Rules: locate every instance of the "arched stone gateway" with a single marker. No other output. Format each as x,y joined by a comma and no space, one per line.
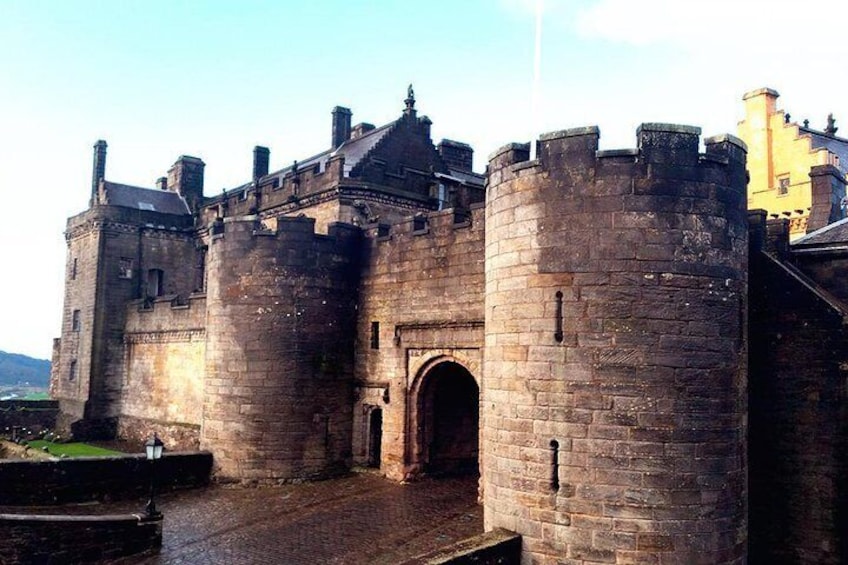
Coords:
444,423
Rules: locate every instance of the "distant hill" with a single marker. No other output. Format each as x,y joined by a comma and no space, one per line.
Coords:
15,368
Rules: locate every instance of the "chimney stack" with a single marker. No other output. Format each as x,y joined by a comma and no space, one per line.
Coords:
261,159
162,183
185,178
456,155
98,172
341,125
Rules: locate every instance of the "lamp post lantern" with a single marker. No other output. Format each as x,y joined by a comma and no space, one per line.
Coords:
153,450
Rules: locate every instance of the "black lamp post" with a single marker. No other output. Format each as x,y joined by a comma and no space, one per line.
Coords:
153,450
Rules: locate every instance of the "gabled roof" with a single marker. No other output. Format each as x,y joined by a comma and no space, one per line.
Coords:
353,150
138,198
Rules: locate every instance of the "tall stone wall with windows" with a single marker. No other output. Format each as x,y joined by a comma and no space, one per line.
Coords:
110,251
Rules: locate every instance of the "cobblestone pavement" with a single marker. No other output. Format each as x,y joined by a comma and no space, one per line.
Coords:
358,519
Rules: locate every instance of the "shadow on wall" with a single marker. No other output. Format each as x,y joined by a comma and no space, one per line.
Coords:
98,478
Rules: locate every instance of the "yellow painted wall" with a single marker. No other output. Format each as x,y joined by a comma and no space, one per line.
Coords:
777,149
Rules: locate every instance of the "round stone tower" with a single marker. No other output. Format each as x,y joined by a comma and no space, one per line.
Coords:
614,393
279,356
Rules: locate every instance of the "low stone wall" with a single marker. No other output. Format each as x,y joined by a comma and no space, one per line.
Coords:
498,547
31,414
62,481
76,539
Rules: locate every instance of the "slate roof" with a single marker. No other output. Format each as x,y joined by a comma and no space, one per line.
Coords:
831,235
353,150
836,145
467,177
138,198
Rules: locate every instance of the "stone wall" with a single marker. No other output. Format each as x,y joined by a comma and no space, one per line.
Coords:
614,397
279,353
63,481
422,284
404,159
798,438
31,538
497,547
165,347
110,251
71,364
31,414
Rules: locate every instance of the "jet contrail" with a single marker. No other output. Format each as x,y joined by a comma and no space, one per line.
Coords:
537,77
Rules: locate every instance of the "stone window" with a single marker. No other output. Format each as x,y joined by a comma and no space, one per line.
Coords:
375,335
154,282
72,370
125,268
783,185
419,224
75,321
74,269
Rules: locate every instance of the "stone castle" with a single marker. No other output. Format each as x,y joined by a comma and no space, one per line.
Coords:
576,328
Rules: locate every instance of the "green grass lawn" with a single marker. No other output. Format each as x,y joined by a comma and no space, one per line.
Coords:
36,396
72,449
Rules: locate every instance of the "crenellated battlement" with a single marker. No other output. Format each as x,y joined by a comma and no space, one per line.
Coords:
287,188
662,150
432,224
283,230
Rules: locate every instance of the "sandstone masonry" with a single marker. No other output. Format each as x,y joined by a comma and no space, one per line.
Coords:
575,328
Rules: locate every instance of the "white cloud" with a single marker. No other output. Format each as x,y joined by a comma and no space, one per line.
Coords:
752,26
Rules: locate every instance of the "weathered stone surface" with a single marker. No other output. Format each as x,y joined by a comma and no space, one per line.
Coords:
656,362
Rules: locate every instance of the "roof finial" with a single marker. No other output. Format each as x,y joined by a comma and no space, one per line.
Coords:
410,97
831,125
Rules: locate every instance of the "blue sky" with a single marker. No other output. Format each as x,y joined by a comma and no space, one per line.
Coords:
212,79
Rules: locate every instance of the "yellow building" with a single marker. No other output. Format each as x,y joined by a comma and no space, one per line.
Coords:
781,157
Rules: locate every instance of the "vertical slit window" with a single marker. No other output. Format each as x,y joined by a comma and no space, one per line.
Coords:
554,465
75,321
558,336
375,335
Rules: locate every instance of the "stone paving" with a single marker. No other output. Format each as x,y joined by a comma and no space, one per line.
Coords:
359,519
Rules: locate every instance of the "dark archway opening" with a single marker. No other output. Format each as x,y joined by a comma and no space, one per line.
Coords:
450,421
375,437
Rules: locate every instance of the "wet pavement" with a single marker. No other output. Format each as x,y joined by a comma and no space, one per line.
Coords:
359,519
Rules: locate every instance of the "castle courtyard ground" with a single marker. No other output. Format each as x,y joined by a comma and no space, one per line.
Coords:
358,519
